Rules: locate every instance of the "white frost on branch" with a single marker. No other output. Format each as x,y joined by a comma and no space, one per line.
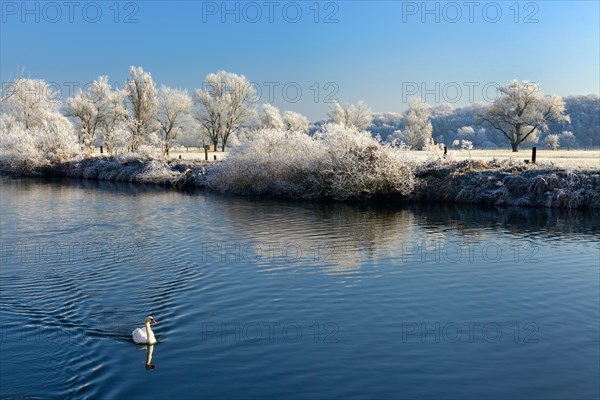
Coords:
418,125
357,115
522,111
270,117
295,122
174,107
143,103
224,104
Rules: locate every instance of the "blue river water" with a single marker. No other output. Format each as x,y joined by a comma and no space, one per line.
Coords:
266,299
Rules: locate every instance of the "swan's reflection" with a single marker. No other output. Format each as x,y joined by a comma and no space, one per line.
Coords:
149,351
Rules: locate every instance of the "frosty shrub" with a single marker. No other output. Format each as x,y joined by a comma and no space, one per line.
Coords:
270,162
356,165
33,132
337,162
24,149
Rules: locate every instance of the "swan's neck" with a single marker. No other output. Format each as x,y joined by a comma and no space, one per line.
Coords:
149,333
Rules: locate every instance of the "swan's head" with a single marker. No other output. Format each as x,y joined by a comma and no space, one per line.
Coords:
149,318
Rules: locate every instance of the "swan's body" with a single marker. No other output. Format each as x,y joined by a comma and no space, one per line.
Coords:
144,335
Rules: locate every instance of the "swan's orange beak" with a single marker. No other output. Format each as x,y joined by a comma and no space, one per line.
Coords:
153,321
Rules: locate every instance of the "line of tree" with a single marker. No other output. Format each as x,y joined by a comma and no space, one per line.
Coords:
224,111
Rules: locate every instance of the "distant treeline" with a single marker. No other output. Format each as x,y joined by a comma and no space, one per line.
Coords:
462,124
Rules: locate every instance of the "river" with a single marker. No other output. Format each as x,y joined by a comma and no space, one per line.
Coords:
264,299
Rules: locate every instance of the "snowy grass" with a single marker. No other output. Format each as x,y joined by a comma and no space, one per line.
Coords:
588,159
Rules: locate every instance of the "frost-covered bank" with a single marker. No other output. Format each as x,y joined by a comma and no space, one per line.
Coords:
505,183
472,182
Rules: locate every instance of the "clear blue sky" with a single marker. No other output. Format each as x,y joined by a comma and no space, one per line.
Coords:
376,51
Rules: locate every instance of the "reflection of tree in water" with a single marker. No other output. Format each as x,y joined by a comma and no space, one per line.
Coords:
346,236
542,223
360,233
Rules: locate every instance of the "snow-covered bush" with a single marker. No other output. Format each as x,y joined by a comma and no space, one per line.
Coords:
32,130
356,165
270,162
23,149
337,162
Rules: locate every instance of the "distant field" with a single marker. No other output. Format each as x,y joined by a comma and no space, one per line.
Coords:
562,158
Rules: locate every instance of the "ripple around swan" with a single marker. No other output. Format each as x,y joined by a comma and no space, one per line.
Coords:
338,273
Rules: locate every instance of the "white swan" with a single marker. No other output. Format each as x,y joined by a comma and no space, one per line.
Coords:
144,335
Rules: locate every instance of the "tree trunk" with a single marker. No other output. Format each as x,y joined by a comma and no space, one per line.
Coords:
216,145
515,147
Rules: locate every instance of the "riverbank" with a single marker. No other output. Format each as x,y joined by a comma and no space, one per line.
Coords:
468,182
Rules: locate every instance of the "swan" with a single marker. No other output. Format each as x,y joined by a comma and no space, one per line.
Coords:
144,335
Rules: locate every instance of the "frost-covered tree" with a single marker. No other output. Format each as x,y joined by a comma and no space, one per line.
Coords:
31,102
96,109
189,137
357,115
338,115
225,103
174,107
100,113
270,117
295,122
585,119
143,103
32,130
466,145
552,141
8,88
418,126
86,116
466,131
522,110
113,130
568,139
